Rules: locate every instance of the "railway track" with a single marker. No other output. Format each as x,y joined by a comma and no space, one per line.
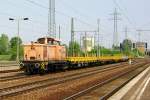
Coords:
21,75
110,93
9,71
13,77
15,90
18,75
7,67
105,95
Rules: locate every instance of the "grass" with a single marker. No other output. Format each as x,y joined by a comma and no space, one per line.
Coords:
5,57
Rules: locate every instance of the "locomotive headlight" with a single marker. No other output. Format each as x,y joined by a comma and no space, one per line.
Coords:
21,64
37,65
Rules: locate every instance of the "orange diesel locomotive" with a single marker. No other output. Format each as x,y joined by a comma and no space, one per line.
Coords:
38,56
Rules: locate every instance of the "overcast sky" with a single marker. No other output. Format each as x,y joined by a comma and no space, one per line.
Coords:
135,14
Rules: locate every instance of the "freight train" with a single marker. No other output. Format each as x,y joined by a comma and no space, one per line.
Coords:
48,55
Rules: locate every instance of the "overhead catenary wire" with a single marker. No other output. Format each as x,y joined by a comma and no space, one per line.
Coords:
122,9
8,15
74,9
80,14
59,12
126,16
23,6
146,24
42,6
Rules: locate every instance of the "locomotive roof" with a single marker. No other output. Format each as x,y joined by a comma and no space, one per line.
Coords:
41,41
48,39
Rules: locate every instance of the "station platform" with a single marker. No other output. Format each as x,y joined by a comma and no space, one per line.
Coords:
137,89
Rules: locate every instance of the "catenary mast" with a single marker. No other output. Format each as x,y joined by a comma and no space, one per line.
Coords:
51,19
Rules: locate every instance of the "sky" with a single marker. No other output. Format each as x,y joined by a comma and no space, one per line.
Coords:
133,14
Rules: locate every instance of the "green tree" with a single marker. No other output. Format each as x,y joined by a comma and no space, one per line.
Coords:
137,53
104,51
13,48
127,46
4,44
74,49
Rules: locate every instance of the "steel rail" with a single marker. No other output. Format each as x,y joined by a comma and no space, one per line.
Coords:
20,75
80,93
106,96
10,91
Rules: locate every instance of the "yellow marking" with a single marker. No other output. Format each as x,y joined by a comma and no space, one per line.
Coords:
42,66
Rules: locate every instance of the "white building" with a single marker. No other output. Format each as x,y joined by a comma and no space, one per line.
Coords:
88,44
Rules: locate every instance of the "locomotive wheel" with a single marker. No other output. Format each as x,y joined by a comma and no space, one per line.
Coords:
28,71
41,71
51,68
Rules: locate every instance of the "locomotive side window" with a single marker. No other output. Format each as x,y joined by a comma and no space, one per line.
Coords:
50,42
26,56
56,43
53,43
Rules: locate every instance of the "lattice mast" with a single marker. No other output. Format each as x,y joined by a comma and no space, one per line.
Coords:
51,19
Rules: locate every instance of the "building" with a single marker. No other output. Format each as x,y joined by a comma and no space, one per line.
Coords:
88,44
141,46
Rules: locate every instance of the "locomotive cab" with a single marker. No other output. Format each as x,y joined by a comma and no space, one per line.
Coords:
46,51
43,49
49,41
